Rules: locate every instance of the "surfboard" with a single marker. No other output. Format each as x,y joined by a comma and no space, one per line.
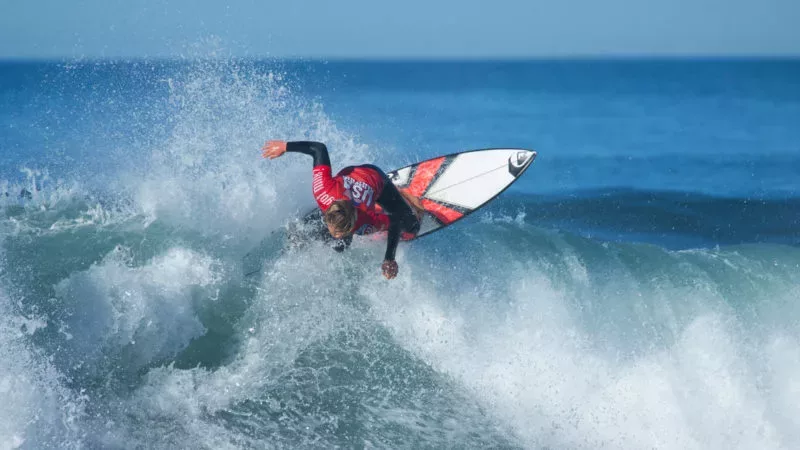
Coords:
451,187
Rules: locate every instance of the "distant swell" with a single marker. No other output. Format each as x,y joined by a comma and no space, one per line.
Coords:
673,219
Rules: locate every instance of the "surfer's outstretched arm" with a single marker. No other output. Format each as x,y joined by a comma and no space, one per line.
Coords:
322,181
317,150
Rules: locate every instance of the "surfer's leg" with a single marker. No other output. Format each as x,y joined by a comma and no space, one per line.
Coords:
396,205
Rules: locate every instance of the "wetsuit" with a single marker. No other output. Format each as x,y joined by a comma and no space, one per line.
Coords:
366,186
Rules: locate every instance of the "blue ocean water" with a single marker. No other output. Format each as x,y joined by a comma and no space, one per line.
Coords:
637,288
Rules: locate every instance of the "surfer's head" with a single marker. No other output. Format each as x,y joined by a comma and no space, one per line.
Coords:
340,218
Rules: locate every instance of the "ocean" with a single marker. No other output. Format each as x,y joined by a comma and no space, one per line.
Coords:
639,287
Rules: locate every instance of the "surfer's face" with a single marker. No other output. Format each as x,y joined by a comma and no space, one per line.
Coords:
338,234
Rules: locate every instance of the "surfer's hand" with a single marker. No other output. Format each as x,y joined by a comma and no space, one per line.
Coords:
389,268
273,149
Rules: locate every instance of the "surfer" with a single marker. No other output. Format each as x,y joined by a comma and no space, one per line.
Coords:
357,200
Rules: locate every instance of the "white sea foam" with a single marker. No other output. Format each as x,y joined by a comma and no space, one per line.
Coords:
289,313
209,174
147,312
36,409
525,351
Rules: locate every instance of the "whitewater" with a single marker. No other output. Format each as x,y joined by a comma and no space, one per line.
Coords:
580,310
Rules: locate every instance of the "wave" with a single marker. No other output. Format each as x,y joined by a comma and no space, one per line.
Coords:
496,333
577,343
39,410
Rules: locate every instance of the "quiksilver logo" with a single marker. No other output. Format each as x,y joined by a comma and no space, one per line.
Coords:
517,162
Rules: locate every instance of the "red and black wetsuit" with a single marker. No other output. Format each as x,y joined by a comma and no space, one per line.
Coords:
380,205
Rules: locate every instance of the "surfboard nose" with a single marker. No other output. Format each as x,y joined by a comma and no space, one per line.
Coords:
519,161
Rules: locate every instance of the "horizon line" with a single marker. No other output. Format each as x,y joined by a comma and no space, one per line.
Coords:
414,59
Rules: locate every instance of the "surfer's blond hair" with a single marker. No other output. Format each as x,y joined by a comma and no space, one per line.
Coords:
341,216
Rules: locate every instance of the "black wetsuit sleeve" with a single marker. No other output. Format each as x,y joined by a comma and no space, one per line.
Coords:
393,239
397,209
316,149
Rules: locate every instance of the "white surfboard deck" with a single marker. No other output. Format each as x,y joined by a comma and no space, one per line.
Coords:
453,186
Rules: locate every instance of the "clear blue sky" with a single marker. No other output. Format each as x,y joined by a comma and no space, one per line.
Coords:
398,29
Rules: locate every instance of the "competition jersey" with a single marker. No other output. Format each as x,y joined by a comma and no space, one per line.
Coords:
362,185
